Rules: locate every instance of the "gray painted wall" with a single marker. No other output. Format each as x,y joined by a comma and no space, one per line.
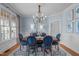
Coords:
25,25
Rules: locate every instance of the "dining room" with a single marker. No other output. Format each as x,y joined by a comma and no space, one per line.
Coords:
39,29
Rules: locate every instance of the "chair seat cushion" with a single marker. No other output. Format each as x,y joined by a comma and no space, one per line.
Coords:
23,43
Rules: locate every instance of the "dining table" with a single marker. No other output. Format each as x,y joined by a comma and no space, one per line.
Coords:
39,40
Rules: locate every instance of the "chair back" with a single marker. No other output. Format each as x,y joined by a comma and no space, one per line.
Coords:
47,40
58,36
31,40
43,34
20,37
21,41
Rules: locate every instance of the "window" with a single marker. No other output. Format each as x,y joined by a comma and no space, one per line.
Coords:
77,20
13,29
68,21
7,27
77,26
69,26
76,12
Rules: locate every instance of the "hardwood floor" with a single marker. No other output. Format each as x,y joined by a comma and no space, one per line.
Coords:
7,52
69,50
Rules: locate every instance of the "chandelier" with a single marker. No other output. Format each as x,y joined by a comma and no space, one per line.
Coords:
39,18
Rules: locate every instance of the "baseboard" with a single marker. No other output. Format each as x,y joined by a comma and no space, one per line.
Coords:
69,50
10,50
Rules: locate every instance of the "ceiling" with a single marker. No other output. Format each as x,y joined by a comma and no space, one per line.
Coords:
30,9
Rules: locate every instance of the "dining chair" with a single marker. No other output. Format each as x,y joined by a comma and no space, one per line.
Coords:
58,36
22,42
47,44
31,44
56,43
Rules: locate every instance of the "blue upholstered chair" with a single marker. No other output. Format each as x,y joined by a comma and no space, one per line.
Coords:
47,44
22,42
58,36
31,43
57,42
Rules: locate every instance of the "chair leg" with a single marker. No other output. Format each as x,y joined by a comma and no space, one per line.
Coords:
43,51
20,47
58,47
28,51
35,52
37,49
51,51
